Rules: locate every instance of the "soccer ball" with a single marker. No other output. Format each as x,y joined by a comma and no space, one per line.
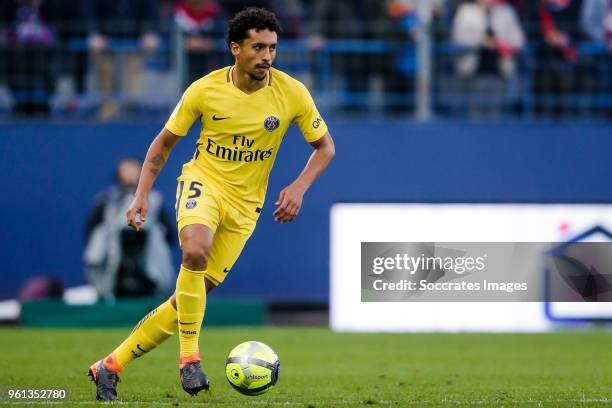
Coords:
252,368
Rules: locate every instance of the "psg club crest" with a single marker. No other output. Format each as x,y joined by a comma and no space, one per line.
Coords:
271,123
191,203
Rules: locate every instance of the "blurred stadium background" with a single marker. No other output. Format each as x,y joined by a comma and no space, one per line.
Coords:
429,101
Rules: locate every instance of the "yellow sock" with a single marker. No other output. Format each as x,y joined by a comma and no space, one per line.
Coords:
149,333
190,302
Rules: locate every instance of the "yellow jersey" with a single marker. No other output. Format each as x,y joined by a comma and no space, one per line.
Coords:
241,133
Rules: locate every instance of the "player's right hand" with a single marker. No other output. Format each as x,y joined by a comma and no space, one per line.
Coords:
137,213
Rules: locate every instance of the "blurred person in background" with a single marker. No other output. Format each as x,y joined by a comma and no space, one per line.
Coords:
120,262
109,20
490,35
73,56
557,73
401,25
596,21
597,24
30,57
6,21
202,23
348,20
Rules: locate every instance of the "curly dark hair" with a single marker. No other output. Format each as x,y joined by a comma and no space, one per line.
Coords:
251,18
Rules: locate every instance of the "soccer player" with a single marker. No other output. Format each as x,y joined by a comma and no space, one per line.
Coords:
245,111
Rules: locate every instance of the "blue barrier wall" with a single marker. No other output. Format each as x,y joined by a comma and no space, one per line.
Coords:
50,173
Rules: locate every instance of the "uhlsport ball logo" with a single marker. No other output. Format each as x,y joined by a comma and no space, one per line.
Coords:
252,368
271,123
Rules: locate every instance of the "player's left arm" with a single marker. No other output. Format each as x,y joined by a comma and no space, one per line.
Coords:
290,198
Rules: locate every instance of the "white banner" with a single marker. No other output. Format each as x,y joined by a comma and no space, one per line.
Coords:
352,224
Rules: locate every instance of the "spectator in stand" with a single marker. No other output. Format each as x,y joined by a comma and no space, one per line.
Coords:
7,12
401,27
72,28
597,24
597,21
557,71
30,57
348,20
203,23
490,34
123,20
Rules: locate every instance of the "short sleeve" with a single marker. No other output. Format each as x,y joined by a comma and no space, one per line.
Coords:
185,112
307,117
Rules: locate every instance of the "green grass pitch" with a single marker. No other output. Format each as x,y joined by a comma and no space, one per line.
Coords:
324,369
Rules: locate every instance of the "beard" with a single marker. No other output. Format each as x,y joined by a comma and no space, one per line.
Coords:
257,78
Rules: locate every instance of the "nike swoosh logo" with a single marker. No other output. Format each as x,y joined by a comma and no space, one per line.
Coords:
225,270
216,118
187,322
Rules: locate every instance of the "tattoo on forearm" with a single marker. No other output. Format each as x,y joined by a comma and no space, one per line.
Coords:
157,160
156,163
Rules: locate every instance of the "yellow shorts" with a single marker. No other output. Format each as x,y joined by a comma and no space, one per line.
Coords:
198,204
